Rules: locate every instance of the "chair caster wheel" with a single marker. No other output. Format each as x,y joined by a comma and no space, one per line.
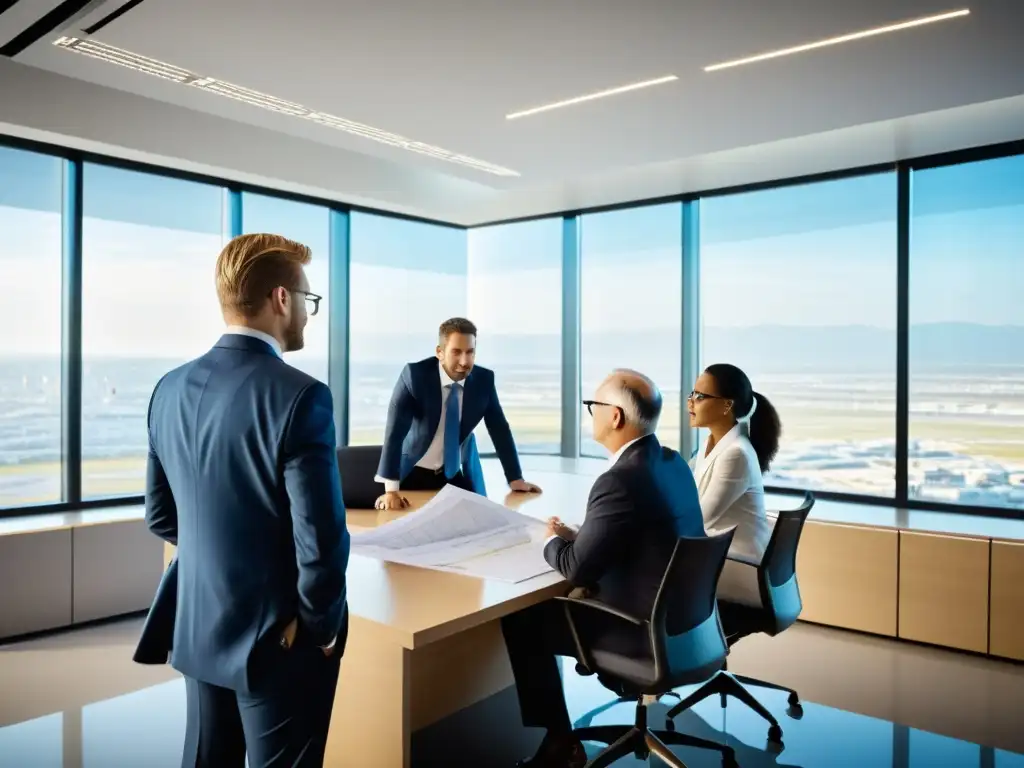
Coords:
795,711
670,726
794,700
582,671
775,734
729,760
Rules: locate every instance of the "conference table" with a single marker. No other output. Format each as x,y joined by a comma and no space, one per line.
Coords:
425,644
425,654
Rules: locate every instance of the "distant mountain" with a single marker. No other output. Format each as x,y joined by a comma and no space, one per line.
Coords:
762,348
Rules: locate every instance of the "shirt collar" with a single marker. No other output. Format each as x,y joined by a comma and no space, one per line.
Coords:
242,330
446,380
618,454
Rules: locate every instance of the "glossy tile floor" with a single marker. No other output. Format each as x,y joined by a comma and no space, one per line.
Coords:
75,700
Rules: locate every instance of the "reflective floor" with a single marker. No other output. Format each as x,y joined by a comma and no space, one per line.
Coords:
75,700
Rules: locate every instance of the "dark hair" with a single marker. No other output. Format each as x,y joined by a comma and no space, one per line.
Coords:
765,427
454,325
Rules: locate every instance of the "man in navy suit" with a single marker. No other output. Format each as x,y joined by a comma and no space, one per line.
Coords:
436,405
242,476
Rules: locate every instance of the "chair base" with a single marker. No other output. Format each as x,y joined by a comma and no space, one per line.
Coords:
726,684
642,742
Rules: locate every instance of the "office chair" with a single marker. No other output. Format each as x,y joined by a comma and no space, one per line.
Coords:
686,646
357,465
780,607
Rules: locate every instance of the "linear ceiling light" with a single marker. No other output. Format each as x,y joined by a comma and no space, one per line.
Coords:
146,65
840,39
592,96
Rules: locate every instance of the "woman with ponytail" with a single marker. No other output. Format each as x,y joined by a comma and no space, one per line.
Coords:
744,438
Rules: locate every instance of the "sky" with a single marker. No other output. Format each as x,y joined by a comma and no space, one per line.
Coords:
813,255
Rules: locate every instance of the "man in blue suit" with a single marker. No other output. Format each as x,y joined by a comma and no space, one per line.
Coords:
436,405
243,478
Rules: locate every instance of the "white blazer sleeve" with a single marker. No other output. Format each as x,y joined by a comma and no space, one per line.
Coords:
730,478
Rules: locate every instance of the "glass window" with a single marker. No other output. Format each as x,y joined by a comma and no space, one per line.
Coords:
30,352
967,334
515,299
309,225
798,288
149,303
631,306
405,279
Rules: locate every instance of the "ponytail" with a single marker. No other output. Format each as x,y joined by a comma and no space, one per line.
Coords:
765,430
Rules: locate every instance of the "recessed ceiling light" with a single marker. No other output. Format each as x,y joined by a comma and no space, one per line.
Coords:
148,66
840,39
592,96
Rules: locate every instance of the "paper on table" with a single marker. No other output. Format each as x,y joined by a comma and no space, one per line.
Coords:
462,532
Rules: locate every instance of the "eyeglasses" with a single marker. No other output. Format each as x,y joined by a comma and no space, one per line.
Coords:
591,403
700,396
313,299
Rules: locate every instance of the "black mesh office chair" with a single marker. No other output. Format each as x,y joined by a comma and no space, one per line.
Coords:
358,466
780,607
686,646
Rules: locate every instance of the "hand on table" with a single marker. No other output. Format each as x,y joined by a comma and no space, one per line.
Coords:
557,528
391,500
521,486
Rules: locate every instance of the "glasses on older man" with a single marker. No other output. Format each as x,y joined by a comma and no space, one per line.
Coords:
591,403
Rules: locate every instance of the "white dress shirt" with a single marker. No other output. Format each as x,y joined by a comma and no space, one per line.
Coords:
242,330
433,459
731,490
611,463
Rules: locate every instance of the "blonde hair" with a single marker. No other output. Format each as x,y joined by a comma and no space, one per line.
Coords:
251,266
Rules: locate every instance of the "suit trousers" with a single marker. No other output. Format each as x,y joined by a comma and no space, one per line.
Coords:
535,637
284,725
421,479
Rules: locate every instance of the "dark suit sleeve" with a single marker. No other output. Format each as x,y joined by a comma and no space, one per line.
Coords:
609,520
501,436
318,513
161,511
400,415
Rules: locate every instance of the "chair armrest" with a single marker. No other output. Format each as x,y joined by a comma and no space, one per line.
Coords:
597,605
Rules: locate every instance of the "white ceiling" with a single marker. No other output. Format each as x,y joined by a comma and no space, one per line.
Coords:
446,72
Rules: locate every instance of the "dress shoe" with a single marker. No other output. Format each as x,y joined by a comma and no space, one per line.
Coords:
557,753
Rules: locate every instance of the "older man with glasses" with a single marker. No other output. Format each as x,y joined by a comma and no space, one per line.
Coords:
640,505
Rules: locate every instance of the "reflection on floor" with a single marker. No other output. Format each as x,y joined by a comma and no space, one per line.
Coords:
75,700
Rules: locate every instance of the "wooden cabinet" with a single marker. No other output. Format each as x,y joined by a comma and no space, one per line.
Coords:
944,590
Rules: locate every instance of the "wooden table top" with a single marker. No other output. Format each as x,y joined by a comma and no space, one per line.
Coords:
421,605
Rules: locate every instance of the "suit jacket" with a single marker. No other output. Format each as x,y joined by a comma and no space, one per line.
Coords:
157,636
731,491
242,476
635,513
415,412
732,494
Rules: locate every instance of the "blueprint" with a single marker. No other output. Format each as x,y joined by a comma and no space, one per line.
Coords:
464,533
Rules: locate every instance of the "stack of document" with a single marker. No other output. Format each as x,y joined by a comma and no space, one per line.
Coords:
461,532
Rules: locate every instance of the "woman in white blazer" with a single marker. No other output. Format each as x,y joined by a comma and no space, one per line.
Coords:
744,438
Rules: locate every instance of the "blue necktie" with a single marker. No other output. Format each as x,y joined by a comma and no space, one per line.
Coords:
452,461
